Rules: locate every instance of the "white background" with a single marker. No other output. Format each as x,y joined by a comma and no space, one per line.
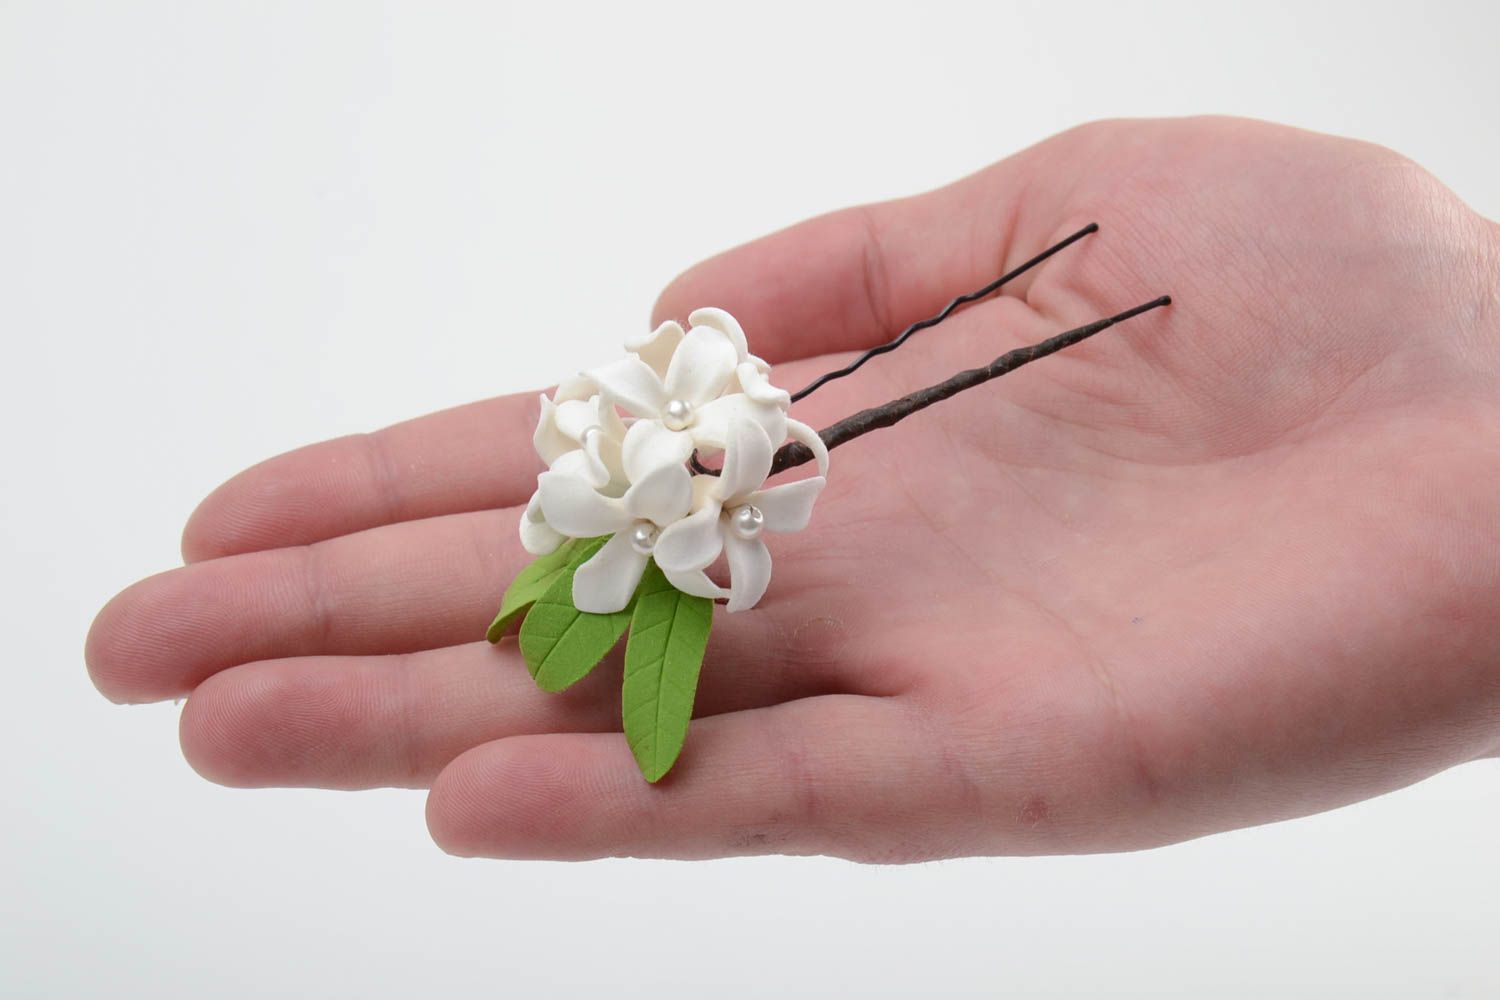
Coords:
227,230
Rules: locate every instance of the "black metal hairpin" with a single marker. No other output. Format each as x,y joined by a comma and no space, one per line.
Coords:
625,536
942,314
876,417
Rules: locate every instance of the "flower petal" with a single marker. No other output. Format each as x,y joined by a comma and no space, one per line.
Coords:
663,496
574,387
605,583
649,446
798,431
598,469
608,455
706,492
631,383
608,444
575,462
700,367
655,348
695,582
711,430
549,441
587,464
726,324
754,383
747,460
609,419
789,507
574,416
749,571
692,543
567,425
575,508
537,536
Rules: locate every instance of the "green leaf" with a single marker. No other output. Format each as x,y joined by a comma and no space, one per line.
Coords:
560,643
668,636
528,587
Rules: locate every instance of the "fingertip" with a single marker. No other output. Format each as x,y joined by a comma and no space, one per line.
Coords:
448,822
520,798
799,292
668,303
120,652
95,654
711,282
200,536
209,730
282,501
789,779
269,724
161,636
314,722
291,724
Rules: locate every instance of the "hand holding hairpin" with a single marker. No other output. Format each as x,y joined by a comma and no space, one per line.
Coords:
627,520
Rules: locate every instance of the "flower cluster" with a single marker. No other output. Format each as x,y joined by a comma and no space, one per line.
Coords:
617,441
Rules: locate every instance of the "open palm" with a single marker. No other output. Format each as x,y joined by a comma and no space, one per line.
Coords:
1234,561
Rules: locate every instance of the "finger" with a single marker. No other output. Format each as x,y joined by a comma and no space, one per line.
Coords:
837,283
400,588
856,277
833,283
839,774
468,458
380,721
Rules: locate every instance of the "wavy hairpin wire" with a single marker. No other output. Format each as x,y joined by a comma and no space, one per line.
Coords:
876,417
944,313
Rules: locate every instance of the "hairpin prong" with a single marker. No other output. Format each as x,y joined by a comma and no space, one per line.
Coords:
794,454
944,313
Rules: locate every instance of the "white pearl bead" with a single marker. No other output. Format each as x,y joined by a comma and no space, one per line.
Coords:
747,521
643,537
678,415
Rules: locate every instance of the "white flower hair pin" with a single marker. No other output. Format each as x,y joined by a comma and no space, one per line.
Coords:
626,520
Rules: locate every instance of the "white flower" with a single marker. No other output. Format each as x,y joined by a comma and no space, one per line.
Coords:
537,536
687,388
577,436
732,510
573,507
590,425
627,477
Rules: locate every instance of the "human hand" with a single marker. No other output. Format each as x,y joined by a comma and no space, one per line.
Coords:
1233,562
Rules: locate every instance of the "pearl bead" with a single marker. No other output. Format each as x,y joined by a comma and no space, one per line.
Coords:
747,521
678,415
643,537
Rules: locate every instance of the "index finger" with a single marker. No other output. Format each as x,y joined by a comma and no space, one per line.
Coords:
455,461
856,277
845,280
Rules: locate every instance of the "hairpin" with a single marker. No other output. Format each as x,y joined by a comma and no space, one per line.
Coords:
627,519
